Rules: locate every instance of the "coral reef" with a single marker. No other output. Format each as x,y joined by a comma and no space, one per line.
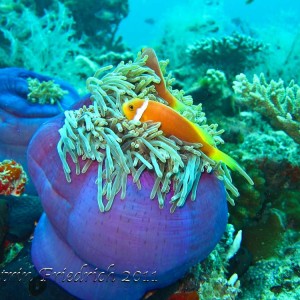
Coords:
250,130
81,31
272,159
211,274
277,277
279,104
22,33
88,186
214,92
12,178
99,22
232,54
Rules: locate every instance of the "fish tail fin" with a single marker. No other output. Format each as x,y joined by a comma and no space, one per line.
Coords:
218,155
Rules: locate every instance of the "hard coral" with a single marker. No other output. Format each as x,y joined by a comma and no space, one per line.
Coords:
279,104
275,278
12,178
215,282
232,54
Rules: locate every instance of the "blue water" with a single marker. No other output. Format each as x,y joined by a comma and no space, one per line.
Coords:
136,32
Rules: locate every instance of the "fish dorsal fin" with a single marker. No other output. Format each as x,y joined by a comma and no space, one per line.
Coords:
161,88
153,63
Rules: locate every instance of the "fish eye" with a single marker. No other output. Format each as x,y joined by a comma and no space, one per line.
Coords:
130,107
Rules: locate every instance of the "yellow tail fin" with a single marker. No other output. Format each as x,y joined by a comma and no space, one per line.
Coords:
218,155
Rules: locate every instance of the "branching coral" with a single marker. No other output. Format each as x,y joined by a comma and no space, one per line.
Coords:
232,54
279,104
101,133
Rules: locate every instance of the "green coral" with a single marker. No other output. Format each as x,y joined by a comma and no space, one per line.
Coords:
251,197
214,91
275,278
257,237
43,44
231,54
45,92
104,18
212,275
279,104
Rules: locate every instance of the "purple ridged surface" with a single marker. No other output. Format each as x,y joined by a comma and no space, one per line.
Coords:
19,118
135,235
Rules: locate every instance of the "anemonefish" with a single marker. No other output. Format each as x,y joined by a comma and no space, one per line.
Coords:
162,91
172,123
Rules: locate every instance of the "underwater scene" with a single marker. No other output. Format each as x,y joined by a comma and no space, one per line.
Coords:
149,150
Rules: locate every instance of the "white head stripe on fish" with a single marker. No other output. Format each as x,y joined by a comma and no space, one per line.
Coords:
140,111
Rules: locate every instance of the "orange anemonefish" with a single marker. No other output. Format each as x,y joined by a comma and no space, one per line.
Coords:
162,91
172,123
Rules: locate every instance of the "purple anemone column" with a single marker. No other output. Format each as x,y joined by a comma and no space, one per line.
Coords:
134,238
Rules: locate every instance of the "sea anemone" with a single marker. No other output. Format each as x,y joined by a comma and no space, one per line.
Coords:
97,173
